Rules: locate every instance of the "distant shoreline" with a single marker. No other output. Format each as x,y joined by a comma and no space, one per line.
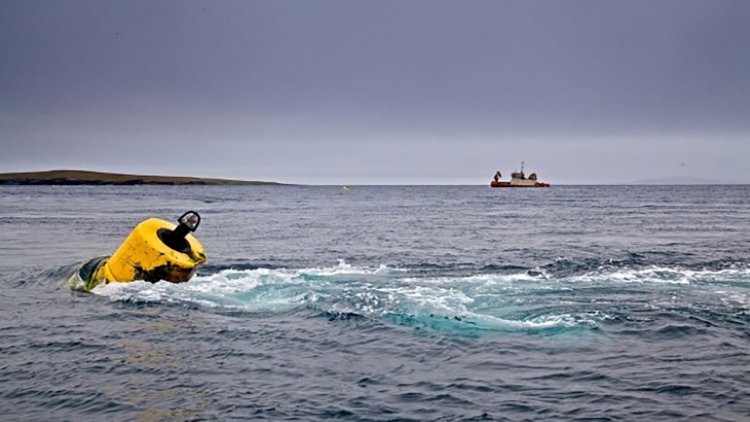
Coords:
81,177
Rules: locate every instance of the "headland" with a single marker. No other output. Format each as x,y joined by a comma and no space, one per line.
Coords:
81,177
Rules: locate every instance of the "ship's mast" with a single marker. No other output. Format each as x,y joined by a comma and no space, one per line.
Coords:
521,166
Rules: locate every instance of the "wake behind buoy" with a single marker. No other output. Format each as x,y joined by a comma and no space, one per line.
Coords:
155,250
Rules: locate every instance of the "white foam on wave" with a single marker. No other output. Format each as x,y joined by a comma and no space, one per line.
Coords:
665,275
632,275
492,301
531,279
343,288
538,322
539,278
384,280
343,268
735,299
227,288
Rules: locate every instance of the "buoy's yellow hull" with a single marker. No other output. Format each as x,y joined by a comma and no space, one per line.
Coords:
143,256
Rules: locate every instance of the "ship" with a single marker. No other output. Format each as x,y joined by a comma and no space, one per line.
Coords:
518,180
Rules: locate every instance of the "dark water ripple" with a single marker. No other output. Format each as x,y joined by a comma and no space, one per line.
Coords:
384,304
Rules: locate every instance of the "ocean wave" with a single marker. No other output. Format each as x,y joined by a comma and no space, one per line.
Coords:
526,300
736,272
343,289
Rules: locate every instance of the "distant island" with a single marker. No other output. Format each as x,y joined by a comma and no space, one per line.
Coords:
79,177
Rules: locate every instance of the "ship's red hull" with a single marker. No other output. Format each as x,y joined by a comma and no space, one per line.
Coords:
502,184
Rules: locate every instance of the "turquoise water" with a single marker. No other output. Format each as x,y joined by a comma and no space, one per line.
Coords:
384,303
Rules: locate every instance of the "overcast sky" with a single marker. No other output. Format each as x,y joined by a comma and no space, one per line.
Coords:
410,91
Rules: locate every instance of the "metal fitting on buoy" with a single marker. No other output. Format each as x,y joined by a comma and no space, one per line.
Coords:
155,250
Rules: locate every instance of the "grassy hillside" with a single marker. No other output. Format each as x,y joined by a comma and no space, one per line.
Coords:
78,177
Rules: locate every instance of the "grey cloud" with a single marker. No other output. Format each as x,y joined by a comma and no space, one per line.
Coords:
385,91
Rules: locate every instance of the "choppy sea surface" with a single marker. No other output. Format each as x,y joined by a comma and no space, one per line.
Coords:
384,303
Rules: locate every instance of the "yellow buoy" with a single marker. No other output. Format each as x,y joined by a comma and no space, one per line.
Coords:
155,250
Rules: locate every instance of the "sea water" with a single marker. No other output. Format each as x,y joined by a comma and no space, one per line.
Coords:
384,303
